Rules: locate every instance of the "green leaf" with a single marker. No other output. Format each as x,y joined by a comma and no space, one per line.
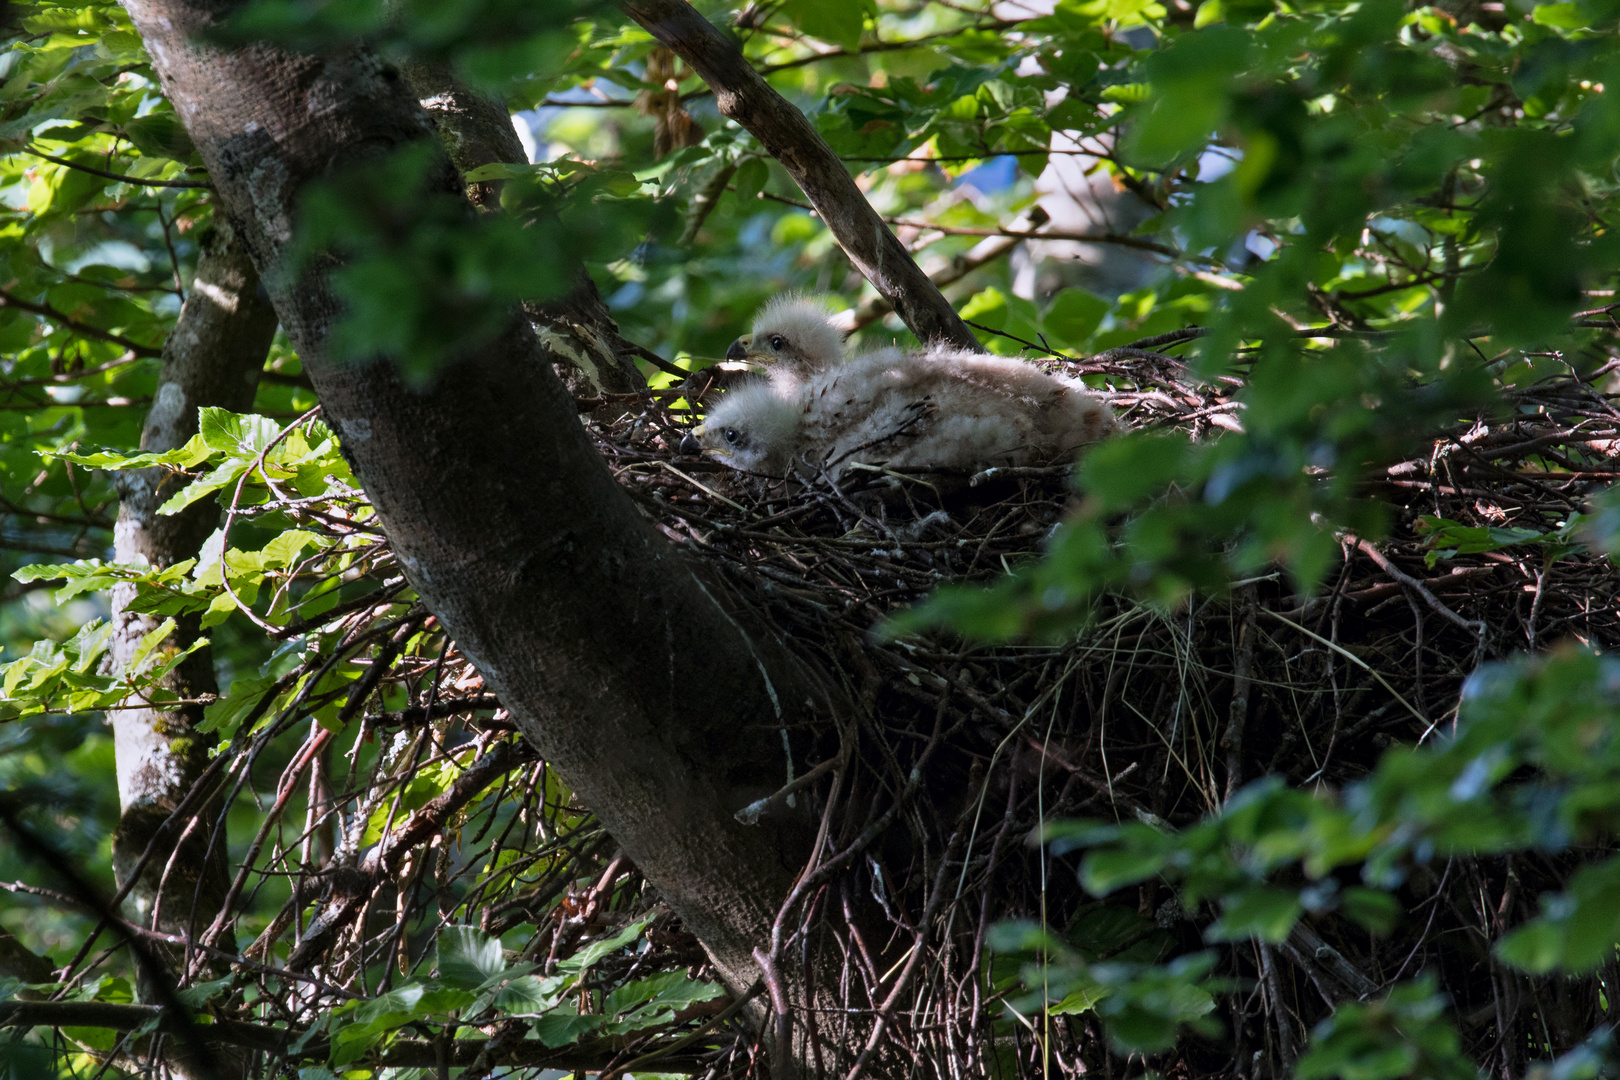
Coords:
750,179
161,135
1377,911
226,475
530,994
226,715
666,993
1568,16
221,429
1403,1035
1193,81
469,958
581,961
1261,911
989,306
285,549
563,1026
1576,931
837,21
375,1019
1074,316
1449,538
1105,870
149,642
1081,999
501,170
1122,471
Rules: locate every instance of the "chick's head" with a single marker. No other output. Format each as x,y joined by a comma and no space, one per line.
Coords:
753,429
792,331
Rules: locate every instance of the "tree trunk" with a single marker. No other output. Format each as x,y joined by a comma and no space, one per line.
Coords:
659,698
212,357
476,130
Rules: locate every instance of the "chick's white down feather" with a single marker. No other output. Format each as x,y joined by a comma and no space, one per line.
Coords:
943,409
754,428
794,339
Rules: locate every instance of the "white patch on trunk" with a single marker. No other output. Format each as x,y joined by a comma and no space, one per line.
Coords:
557,343
168,407
225,298
147,767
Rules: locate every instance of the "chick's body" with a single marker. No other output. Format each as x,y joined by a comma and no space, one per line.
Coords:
942,409
946,410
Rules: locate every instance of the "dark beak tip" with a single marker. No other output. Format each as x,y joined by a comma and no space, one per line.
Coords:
691,446
737,350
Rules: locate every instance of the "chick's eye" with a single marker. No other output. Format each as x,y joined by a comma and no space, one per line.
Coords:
733,436
777,342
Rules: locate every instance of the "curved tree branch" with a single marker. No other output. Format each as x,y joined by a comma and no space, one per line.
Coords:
196,1057
122,178
983,253
744,96
84,329
352,891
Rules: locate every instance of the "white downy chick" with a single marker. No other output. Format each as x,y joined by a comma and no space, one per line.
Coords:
754,428
945,409
793,339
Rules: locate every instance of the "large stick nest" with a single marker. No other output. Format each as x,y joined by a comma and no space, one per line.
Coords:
1144,715
958,752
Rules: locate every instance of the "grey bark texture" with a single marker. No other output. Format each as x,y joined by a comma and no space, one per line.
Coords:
212,357
630,668
743,95
476,130
579,328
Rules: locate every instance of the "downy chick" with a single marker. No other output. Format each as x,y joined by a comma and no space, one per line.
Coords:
944,410
754,428
792,340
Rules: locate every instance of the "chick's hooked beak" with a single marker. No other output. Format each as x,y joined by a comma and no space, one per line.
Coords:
738,350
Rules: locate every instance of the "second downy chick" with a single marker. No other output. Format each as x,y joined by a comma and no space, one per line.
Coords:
754,428
792,339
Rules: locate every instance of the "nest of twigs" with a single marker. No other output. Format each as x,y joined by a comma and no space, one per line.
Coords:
959,751
1149,714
